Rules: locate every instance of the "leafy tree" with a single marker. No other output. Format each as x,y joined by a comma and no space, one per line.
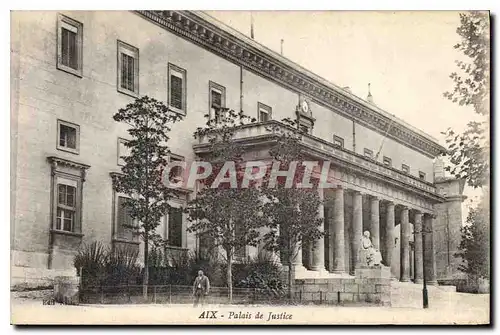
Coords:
469,151
292,211
228,215
149,123
475,244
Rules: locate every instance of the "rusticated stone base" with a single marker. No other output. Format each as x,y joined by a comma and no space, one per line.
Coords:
369,286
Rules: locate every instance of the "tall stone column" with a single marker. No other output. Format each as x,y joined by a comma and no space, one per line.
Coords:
405,246
419,264
357,226
297,258
318,252
375,222
338,231
430,257
389,234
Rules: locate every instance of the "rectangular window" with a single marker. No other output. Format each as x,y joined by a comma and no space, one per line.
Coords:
177,88
66,207
125,222
67,178
69,46
421,175
217,97
338,141
265,112
68,136
123,150
176,173
387,161
368,153
128,69
175,227
405,168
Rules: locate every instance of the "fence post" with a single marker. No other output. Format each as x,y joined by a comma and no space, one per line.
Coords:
170,294
102,294
154,294
338,298
128,293
321,297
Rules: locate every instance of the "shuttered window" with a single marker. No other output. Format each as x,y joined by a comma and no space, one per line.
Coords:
128,66
69,48
128,69
125,222
177,88
217,96
216,99
176,91
175,227
70,43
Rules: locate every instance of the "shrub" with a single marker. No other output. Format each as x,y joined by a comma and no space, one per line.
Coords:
99,265
261,272
121,265
90,263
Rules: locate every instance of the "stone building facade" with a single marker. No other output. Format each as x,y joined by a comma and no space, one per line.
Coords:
72,70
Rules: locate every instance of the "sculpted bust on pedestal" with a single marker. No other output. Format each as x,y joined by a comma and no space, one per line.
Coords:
369,256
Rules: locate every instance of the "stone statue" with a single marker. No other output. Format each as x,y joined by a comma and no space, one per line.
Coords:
369,255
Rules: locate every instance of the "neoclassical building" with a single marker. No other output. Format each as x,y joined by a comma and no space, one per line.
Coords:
72,70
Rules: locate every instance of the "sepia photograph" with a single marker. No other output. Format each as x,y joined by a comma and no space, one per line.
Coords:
251,167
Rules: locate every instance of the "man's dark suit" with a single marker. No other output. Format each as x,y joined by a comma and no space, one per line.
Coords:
201,287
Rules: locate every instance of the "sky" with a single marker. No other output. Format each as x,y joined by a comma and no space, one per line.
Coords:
406,56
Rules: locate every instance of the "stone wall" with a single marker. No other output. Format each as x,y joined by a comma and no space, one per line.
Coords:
369,286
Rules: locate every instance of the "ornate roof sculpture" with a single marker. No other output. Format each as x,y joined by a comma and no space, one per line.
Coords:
228,43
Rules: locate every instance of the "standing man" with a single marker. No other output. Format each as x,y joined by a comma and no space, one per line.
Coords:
201,287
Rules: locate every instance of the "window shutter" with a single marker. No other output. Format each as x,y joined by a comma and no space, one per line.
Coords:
120,218
176,92
216,99
175,227
69,48
77,217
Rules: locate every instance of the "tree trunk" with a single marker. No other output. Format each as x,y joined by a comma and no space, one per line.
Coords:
230,277
291,275
291,270
145,274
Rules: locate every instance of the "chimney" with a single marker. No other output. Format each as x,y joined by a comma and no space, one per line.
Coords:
251,26
369,98
439,169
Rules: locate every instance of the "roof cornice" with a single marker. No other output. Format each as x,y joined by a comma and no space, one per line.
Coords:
229,45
